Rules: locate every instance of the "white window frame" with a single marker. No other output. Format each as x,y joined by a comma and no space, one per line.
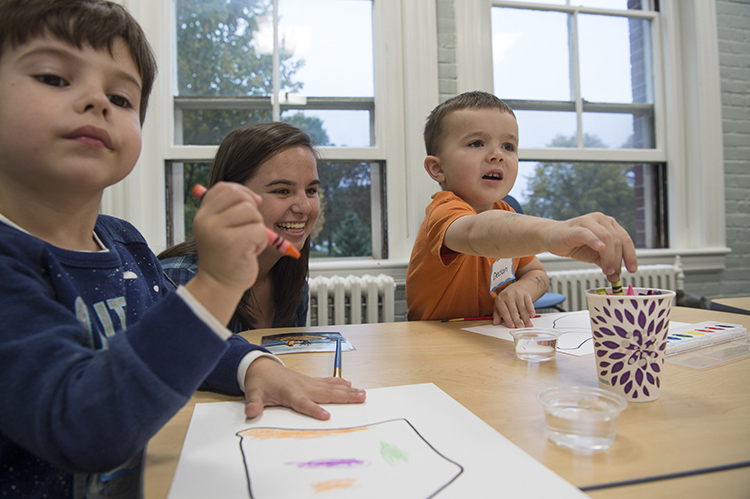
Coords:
688,122
406,90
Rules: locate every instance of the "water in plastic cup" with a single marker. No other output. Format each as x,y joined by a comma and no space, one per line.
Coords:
580,418
535,344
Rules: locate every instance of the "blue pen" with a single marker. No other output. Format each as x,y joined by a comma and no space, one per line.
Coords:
337,360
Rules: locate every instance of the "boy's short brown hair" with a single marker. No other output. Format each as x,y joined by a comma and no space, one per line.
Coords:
434,128
97,23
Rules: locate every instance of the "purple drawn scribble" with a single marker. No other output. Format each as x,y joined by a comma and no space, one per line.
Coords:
330,463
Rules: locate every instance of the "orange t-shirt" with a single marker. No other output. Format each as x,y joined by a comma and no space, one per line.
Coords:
443,284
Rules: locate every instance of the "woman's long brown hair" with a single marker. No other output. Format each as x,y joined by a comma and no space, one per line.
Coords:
239,156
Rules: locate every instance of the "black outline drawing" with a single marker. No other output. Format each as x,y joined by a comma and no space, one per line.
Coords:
571,330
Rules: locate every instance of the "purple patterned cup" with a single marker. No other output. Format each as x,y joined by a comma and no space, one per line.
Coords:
630,339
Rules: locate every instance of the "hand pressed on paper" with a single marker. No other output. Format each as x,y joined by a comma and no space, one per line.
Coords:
515,303
268,383
515,306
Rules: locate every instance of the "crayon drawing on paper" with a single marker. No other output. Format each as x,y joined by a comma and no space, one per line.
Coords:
386,459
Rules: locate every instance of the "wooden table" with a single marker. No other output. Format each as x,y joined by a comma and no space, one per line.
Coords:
698,431
741,304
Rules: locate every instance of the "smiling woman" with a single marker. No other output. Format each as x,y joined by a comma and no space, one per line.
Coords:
276,161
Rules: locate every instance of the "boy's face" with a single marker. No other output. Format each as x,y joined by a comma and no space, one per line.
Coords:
478,158
69,119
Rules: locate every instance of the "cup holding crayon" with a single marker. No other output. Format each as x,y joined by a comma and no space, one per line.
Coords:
630,340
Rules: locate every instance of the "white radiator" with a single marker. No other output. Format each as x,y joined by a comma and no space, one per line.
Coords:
351,300
574,283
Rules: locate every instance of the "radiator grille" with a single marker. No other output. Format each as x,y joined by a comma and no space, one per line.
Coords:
351,300
574,283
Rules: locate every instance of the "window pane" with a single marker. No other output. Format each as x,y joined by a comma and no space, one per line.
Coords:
617,131
330,42
615,59
332,128
206,127
193,173
345,222
530,54
223,48
344,227
632,193
538,129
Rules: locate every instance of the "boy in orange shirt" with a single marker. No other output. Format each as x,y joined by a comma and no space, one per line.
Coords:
473,255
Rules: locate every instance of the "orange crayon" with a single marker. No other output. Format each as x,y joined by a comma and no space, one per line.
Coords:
274,239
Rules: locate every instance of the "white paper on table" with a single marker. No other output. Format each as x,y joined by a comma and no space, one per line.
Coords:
423,444
575,328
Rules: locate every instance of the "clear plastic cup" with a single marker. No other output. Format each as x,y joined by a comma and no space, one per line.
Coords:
581,418
535,344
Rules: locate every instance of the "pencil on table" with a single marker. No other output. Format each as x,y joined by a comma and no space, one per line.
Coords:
337,360
459,319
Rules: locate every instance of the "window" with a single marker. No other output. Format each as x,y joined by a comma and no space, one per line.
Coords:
586,86
246,61
666,53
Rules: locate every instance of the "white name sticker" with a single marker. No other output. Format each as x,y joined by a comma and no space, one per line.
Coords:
502,272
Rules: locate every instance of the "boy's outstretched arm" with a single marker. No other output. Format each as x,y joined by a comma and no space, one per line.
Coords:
595,238
268,383
592,238
229,234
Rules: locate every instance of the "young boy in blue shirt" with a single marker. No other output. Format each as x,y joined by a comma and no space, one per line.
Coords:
96,351
473,256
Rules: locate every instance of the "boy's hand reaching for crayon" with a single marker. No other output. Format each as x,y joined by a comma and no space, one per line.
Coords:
594,238
229,235
268,383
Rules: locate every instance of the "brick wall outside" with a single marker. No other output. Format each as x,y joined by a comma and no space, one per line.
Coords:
733,19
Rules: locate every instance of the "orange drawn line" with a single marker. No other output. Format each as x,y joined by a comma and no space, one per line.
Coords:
328,485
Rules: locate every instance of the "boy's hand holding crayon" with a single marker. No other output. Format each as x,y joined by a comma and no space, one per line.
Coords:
229,235
594,238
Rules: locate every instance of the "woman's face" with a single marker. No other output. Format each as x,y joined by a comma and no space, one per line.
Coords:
288,183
